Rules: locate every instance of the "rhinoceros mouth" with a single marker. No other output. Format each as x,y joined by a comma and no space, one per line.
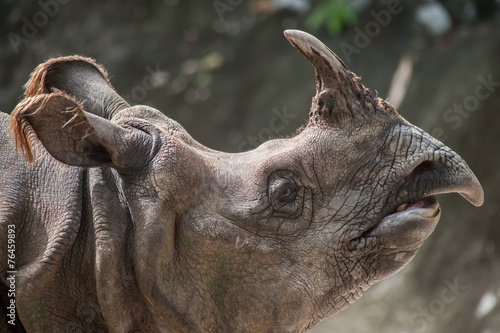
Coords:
413,221
406,224
405,228
428,207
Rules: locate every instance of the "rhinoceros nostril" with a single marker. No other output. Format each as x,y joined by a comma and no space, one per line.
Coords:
424,167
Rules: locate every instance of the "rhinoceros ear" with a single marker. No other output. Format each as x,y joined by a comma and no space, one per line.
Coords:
81,78
340,96
74,136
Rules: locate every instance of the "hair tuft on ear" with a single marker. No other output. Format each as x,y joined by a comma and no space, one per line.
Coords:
67,112
38,82
23,132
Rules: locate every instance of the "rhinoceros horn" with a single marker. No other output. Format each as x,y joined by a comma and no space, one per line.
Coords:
340,96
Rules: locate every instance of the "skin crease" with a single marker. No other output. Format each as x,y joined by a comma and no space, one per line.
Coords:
125,223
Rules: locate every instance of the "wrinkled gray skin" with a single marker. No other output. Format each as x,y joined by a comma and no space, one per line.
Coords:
124,222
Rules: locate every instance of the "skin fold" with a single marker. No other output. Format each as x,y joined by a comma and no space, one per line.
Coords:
124,223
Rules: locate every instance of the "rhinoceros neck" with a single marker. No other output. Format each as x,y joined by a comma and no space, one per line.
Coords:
45,205
115,269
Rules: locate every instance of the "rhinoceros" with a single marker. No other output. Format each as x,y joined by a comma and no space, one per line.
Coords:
122,222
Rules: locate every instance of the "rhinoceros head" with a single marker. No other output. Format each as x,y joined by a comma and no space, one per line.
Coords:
273,239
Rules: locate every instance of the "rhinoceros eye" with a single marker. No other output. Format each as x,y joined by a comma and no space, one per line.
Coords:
283,191
288,192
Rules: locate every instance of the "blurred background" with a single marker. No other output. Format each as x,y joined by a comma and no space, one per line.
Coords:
223,69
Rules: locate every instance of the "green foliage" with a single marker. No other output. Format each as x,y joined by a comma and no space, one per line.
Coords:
333,14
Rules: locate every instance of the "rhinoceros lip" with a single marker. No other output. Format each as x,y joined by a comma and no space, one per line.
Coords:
409,216
406,227
428,207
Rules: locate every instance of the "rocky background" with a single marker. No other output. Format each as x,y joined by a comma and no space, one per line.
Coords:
223,69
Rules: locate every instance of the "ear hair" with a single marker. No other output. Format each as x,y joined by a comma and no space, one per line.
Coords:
21,129
37,83
81,78
76,137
